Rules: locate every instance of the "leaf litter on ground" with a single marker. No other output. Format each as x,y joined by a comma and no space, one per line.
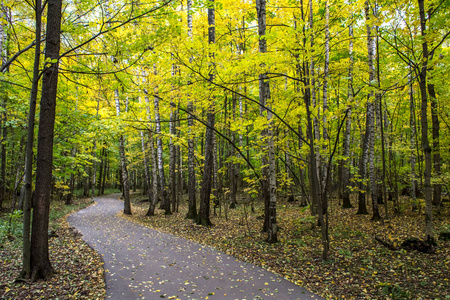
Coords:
359,267
79,272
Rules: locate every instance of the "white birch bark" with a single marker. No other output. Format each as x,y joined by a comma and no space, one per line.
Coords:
348,125
370,115
154,185
162,178
325,95
3,34
314,205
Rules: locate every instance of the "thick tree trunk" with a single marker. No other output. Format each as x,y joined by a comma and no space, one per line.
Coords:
370,130
424,123
153,192
25,192
205,192
40,262
269,172
123,163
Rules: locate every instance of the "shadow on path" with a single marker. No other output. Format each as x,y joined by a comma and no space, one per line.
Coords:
143,263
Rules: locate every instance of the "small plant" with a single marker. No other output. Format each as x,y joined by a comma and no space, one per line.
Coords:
345,252
10,228
444,233
394,291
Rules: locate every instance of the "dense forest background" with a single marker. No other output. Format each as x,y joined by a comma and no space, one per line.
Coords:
223,103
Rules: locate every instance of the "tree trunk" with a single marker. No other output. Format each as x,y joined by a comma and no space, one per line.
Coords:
424,123
312,97
172,162
123,163
205,193
162,177
105,172
3,98
231,165
146,167
4,118
40,262
192,210
370,129
270,169
25,192
325,97
100,175
348,126
412,159
437,187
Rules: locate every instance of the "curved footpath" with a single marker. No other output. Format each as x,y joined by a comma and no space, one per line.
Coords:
143,263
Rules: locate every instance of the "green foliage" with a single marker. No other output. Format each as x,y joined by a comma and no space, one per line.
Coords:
394,291
10,226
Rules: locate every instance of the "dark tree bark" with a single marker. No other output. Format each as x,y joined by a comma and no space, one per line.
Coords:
437,187
424,123
205,192
100,175
192,211
4,118
105,172
269,172
40,262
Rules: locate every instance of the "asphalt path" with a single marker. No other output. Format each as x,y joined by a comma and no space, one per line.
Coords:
143,263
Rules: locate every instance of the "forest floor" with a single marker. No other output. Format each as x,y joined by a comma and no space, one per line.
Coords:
359,267
78,268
